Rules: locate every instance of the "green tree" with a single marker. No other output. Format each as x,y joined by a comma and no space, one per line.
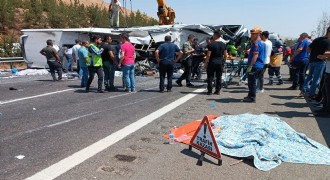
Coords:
322,25
8,47
139,20
34,15
7,13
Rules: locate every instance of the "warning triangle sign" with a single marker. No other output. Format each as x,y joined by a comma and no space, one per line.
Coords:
204,140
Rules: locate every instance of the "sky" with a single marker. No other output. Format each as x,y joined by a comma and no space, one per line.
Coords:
288,18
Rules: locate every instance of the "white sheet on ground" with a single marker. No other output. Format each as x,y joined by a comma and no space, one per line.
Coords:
269,140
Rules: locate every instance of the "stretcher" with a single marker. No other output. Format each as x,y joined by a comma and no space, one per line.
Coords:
233,68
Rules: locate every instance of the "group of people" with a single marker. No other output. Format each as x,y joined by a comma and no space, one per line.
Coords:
98,57
312,56
262,55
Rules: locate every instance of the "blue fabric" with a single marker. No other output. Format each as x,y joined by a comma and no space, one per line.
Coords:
84,78
69,60
299,71
260,48
128,75
316,70
167,52
304,54
82,54
269,140
252,82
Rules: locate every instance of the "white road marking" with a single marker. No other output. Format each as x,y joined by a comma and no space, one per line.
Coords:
74,119
32,97
56,92
75,159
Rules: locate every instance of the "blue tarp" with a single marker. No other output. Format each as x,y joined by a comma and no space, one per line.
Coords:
268,140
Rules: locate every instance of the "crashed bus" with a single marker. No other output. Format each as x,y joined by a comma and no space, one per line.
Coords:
145,39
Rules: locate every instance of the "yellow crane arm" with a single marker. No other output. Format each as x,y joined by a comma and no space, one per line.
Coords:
165,13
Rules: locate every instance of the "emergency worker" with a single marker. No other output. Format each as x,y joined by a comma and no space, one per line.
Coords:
95,63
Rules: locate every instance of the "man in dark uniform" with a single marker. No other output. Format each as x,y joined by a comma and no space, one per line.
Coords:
108,61
186,61
165,55
214,62
53,60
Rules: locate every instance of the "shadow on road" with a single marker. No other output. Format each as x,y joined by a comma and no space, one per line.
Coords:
283,97
291,114
74,86
226,100
150,90
195,155
291,105
236,87
324,124
45,80
80,91
237,91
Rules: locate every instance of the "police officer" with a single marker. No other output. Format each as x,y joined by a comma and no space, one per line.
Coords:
95,63
188,50
165,56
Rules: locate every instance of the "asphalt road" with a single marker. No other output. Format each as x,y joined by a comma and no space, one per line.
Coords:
53,123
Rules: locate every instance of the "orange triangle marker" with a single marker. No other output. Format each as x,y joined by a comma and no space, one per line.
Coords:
204,140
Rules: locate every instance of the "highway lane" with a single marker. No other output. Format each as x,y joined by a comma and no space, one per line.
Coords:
142,154
46,129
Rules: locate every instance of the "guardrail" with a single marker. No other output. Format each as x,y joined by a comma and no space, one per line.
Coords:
11,59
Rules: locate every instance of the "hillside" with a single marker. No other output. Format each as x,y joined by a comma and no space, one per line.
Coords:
95,2
19,14
16,15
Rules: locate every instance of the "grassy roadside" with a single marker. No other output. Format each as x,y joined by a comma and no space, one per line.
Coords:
7,66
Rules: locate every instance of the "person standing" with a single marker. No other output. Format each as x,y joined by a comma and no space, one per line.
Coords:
75,57
325,111
187,60
83,60
114,9
165,56
269,47
61,55
53,60
316,66
95,63
69,59
198,57
108,60
256,59
214,63
127,61
299,62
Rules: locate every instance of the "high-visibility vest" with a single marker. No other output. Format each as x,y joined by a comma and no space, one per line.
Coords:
94,59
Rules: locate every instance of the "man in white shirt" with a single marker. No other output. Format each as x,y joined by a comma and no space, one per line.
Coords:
75,57
114,8
69,59
269,46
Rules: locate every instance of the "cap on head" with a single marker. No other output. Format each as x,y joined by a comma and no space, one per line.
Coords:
191,36
304,34
265,33
256,30
218,32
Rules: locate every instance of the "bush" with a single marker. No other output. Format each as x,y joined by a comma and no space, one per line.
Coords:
9,47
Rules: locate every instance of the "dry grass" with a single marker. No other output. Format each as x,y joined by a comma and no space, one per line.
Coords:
98,2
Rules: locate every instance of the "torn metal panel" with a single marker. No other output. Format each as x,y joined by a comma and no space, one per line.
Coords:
145,38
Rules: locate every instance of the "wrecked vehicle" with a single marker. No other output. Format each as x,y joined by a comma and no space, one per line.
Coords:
145,39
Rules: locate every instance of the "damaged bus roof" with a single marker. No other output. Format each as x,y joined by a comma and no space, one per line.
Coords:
33,40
